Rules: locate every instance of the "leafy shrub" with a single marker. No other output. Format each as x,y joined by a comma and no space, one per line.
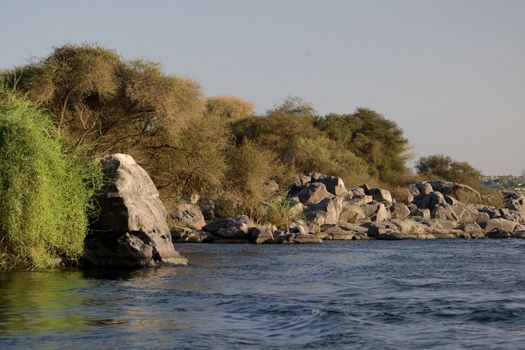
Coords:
401,194
250,168
45,202
326,156
280,213
493,200
195,164
371,137
443,167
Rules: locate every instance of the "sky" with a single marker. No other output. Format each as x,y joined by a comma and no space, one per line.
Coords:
450,73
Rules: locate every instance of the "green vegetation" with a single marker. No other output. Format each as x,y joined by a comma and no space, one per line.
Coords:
443,167
279,212
230,108
193,145
371,137
97,102
250,168
45,200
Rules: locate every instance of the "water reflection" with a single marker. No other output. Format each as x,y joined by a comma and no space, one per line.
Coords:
40,301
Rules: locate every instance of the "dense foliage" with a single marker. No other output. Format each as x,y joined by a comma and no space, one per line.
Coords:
45,200
191,145
376,140
443,167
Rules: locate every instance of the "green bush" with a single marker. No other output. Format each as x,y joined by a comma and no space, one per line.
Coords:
195,164
440,166
280,213
45,200
326,156
371,137
250,168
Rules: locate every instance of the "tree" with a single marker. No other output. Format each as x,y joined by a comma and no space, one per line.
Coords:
104,104
295,106
444,167
196,163
250,167
371,137
98,98
328,157
229,108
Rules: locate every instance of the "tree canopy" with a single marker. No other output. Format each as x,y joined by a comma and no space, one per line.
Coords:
103,103
444,167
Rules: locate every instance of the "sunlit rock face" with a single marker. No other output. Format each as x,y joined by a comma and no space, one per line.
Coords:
131,229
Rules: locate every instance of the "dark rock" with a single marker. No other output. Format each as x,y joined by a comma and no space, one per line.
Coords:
313,193
496,234
187,235
230,228
519,235
424,188
262,234
514,201
333,184
453,188
450,200
430,201
493,213
380,195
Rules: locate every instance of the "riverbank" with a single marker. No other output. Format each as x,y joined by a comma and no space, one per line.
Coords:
327,210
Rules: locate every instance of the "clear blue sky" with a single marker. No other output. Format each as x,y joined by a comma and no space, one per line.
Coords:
451,73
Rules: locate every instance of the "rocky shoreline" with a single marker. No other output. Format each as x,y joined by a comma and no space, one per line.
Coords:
131,230
333,212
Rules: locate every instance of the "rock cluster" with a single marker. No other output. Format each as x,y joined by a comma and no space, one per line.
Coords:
334,212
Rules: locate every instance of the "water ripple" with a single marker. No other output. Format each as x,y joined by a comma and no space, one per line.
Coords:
339,295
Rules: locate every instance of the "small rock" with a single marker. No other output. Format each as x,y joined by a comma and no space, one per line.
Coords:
399,210
187,215
313,193
307,238
229,228
380,195
334,185
500,225
424,188
351,213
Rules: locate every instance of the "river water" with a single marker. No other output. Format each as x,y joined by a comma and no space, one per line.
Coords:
338,295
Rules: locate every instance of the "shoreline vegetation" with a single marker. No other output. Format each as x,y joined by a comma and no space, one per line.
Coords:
223,173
